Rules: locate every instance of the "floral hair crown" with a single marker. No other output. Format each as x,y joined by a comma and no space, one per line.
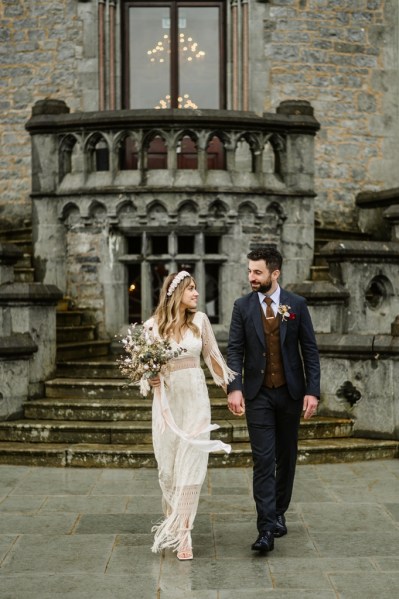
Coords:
178,278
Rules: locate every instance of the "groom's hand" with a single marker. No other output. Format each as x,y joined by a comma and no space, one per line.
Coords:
310,403
236,403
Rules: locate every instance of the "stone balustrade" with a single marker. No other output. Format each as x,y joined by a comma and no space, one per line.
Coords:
379,212
27,335
172,148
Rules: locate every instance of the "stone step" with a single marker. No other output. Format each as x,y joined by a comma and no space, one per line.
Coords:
12,235
24,244
126,456
138,432
69,318
319,273
83,350
101,368
139,410
24,275
75,333
102,389
128,432
319,260
24,262
103,410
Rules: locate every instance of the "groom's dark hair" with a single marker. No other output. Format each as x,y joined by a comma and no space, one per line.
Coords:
272,257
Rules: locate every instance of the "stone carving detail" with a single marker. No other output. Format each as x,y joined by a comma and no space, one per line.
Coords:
275,218
217,213
377,291
157,214
188,214
98,213
349,392
126,213
247,214
132,150
71,215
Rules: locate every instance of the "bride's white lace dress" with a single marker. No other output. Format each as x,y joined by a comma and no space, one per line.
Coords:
181,425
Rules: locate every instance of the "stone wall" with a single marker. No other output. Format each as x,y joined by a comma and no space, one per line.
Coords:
342,56
360,381
41,50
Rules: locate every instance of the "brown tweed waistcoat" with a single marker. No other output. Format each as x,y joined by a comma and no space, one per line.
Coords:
274,371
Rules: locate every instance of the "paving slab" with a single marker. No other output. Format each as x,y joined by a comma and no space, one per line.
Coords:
52,586
23,504
6,542
55,554
86,534
83,504
24,524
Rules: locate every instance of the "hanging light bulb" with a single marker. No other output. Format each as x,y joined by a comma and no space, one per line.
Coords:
183,101
187,48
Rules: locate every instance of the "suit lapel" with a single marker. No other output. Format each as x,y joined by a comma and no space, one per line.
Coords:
255,309
283,323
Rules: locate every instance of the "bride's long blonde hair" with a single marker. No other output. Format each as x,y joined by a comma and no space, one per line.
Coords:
167,313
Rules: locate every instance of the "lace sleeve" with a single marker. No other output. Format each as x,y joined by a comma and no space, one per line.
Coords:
144,385
219,370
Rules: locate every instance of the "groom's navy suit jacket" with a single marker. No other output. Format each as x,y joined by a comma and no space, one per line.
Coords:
247,347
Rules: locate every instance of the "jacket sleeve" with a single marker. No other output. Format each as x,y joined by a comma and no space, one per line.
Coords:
218,368
310,353
236,348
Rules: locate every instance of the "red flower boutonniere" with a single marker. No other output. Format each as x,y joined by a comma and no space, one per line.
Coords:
285,312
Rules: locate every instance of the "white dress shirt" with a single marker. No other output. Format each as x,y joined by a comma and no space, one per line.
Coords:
275,300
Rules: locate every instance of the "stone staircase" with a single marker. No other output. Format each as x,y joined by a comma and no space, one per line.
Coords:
319,271
90,417
22,238
76,335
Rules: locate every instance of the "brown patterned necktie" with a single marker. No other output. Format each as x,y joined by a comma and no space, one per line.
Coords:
269,309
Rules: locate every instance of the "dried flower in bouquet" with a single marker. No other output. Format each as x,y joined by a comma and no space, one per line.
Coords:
146,356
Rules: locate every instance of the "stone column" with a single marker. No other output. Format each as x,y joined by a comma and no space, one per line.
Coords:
298,167
47,230
28,310
15,350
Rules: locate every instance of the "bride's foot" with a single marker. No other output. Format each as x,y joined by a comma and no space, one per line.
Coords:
185,550
185,554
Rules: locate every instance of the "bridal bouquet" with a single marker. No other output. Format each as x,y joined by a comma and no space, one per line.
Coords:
146,355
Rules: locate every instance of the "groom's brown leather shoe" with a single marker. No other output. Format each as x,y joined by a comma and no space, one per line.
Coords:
280,529
264,542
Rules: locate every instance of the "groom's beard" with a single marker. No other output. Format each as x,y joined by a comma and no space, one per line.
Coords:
265,288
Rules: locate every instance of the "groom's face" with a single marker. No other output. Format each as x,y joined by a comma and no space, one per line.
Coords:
260,278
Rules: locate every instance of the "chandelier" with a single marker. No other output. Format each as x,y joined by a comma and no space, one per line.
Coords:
188,49
184,101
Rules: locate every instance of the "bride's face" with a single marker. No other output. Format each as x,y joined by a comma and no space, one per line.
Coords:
190,297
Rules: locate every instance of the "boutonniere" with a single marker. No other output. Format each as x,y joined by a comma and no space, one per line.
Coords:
285,312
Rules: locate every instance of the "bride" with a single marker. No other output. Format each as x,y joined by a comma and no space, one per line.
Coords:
181,413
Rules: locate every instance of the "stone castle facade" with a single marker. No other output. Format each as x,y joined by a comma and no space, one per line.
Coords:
298,129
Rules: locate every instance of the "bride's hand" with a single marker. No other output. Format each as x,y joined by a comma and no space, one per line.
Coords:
154,381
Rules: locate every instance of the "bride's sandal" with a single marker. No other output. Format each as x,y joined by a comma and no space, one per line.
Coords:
184,554
185,551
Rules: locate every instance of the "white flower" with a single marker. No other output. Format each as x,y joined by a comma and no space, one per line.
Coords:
284,310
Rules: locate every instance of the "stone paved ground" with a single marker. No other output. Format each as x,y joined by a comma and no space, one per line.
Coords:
85,534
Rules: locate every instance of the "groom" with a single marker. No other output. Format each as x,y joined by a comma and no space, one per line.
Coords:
273,348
